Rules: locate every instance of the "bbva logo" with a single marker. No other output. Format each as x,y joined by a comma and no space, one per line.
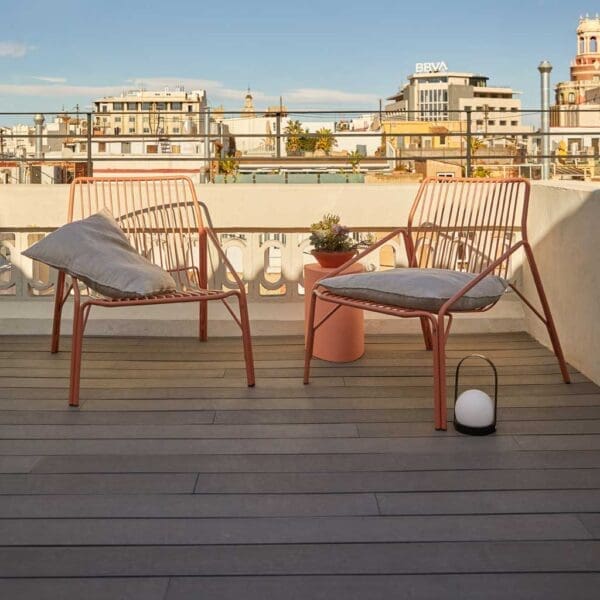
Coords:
431,67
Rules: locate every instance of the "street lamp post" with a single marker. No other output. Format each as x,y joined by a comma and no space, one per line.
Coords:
544,68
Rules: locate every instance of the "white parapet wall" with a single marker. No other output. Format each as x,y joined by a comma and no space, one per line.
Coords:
564,219
253,211
562,226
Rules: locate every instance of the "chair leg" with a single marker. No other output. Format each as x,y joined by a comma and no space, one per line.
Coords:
310,337
442,416
426,328
547,315
439,374
58,306
203,321
246,339
76,351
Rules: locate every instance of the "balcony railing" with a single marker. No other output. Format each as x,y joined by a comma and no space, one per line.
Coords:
289,146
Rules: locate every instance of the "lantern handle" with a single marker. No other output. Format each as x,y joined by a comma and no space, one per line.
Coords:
489,362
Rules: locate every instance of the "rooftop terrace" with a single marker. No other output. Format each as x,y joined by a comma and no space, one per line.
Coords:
174,480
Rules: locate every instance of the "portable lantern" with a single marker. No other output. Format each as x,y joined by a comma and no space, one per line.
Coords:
474,410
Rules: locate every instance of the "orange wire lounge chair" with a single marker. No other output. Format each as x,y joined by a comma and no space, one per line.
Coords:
456,225
162,219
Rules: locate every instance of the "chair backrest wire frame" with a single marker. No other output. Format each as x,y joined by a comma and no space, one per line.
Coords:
467,224
161,218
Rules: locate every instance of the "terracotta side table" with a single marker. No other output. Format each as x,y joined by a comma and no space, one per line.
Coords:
342,337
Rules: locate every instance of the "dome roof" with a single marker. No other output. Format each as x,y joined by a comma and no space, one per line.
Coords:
589,25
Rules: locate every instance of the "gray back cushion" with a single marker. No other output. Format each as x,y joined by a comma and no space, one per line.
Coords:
96,251
422,289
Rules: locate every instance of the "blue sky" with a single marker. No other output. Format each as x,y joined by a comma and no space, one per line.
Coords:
315,53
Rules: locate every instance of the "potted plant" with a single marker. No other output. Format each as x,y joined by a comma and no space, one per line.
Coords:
331,241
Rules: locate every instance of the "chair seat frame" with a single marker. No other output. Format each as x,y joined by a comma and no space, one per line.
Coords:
436,325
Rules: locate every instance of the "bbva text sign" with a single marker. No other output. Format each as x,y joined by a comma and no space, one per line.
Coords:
431,67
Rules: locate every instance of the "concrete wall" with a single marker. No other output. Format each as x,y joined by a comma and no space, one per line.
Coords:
563,226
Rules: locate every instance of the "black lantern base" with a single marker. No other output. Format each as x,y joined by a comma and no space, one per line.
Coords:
474,430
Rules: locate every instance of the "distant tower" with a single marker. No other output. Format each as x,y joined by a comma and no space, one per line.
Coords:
248,110
585,68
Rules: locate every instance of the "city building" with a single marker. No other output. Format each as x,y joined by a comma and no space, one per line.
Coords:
585,68
575,116
143,112
435,94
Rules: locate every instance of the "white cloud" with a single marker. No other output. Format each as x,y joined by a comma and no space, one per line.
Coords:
324,96
14,49
51,79
47,90
217,92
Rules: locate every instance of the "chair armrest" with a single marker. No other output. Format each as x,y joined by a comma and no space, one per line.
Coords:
487,271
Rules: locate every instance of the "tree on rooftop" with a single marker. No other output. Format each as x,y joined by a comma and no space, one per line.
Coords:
325,140
293,132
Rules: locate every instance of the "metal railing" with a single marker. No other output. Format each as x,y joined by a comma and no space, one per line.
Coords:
209,143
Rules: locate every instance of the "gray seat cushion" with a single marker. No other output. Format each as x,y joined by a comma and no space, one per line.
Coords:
96,251
421,289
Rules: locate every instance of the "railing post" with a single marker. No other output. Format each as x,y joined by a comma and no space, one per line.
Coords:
544,68
278,134
468,170
90,166
207,145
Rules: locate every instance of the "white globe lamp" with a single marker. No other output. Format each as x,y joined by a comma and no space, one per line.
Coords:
474,410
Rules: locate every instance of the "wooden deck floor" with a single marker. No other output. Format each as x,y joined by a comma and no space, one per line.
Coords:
174,480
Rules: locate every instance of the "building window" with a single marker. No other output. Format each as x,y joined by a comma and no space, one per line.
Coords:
514,123
502,122
175,105
146,129
101,146
117,119
571,98
152,149
442,140
479,122
132,106
125,147
131,130
104,108
175,129
161,106
491,122
117,106
593,45
146,105
131,119
190,108
83,147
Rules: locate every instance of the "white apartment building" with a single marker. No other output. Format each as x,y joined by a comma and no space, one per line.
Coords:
435,94
143,112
